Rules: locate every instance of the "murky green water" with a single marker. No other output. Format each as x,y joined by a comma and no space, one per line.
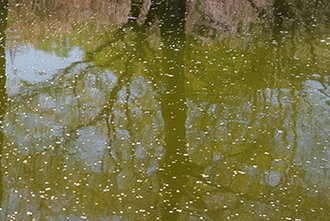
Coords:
164,110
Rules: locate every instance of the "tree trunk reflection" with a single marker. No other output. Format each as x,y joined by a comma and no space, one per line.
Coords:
174,107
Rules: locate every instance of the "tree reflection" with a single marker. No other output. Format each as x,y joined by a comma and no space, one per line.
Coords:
174,109
158,122
171,83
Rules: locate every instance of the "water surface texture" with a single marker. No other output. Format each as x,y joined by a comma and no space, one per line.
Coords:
164,110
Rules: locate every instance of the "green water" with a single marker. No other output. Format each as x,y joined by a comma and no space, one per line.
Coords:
164,110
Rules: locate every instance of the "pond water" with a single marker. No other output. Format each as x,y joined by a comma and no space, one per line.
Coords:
164,110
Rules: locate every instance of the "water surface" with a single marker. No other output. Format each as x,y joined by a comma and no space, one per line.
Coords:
164,110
